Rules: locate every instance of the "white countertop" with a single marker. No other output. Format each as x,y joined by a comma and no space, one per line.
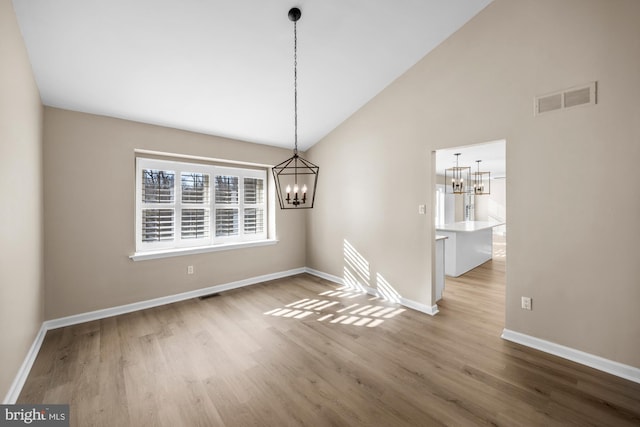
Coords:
468,226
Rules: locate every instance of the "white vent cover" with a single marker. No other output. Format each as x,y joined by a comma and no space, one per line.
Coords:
568,98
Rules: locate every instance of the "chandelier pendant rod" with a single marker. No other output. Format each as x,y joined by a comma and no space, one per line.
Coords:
295,99
295,86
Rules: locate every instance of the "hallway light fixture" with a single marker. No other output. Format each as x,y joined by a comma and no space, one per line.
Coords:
481,181
457,175
298,177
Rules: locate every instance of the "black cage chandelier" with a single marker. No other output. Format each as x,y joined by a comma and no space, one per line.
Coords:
296,178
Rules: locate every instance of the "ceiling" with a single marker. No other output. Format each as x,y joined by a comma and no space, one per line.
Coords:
492,154
226,67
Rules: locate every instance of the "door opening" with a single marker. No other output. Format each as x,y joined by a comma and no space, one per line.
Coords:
470,229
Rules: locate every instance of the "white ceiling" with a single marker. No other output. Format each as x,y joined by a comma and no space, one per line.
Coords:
492,154
226,67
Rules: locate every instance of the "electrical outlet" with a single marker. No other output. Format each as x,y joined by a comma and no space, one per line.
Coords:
422,209
526,303
190,269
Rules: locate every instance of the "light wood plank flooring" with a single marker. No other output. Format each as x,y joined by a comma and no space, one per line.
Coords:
297,352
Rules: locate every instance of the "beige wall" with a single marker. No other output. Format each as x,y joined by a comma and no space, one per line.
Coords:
573,198
90,216
21,285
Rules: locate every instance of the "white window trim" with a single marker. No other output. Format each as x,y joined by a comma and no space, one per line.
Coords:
177,247
168,253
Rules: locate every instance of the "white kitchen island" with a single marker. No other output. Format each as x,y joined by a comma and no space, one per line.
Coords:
469,244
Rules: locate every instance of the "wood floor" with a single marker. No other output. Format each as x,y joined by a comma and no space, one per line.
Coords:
298,351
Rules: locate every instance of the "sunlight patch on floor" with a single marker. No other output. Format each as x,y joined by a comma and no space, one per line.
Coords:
333,307
499,246
354,314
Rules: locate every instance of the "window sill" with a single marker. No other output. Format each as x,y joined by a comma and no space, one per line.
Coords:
168,253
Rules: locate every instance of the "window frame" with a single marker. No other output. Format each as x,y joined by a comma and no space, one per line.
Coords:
213,170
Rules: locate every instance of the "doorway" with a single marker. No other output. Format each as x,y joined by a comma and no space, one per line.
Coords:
484,279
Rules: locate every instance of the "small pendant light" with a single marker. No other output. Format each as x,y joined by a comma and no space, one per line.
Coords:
456,176
481,181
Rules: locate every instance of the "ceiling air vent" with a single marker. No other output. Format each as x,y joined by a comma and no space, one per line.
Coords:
574,97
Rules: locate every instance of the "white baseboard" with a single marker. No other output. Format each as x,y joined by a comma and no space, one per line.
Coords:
136,306
23,372
326,276
609,366
418,306
432,311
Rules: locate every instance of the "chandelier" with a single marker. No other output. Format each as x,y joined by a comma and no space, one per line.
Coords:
457,175
297,176
481,181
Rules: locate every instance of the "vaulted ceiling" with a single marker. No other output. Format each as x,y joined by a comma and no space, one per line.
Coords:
226,67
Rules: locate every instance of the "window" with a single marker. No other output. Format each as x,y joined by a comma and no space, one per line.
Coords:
182,205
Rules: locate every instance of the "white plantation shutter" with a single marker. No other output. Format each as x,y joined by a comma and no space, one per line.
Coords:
253,191
158,198
253,220
227,200
158,186
195,222
253,205
195,187
226,190
181,204
157,225
226,222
